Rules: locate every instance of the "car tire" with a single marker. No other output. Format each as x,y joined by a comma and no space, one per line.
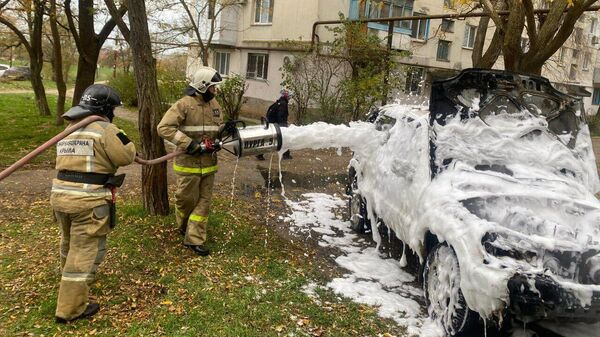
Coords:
357,207
445,301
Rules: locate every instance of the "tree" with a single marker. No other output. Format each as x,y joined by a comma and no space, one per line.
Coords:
200,20
347,80
33,12
57,64
546,33
154,178
88,42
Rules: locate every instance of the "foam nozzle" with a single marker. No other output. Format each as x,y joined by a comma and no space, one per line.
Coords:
253,140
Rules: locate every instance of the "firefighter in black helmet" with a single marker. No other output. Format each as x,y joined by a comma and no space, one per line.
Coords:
83,196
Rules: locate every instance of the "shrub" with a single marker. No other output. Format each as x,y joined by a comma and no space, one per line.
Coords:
125,85
594,124
231,96
171,82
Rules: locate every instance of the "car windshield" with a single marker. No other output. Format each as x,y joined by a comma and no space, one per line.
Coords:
499,119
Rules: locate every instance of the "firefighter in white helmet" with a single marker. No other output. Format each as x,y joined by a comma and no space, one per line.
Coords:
192,124
83,197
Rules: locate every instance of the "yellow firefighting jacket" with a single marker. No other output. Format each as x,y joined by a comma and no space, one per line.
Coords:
192,118
100,147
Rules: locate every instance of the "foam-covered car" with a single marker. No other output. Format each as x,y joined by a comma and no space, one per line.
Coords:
493,187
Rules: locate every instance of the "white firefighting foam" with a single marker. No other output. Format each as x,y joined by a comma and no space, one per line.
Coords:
554,183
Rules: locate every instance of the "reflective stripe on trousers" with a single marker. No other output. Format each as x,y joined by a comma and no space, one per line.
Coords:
196,170
192,200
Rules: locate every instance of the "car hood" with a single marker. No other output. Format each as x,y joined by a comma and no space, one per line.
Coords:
549,208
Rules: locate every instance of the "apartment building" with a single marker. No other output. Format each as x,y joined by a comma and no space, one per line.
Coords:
249,41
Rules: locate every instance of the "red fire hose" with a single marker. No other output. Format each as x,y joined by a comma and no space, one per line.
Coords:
84,122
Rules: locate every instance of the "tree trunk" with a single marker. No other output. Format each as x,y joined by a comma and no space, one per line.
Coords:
38,88
88,42
154,178
36,58
86,75
57,65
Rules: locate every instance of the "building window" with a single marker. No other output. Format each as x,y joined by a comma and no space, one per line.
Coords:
524,44
596,96
575,56
264,11
419,28
222,62
447,26
573,72
258,65
391,8
414,81
587,58
469,40
562,54
443,50
578,35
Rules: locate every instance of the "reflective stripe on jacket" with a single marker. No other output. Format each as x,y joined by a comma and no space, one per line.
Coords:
192,118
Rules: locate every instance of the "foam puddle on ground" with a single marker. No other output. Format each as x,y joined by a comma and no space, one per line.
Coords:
371,279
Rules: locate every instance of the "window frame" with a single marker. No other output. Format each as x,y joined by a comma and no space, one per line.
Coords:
470,31
259,9
525,45
596,96
265,66
218,62
573,70
420,23
437,54
405,7
587,59
450,28
411,73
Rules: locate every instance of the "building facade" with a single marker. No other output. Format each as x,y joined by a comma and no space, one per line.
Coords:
250,39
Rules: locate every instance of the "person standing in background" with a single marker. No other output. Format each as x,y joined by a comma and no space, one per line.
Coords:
278,114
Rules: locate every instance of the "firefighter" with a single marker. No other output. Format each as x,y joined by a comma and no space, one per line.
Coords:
83,196
192,124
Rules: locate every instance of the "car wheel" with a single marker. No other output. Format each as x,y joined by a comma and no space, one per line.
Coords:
358,213
445,301
357,207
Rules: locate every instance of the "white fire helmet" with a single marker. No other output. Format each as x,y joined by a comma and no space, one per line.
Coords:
205,77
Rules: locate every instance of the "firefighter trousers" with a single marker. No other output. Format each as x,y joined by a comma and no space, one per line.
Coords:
82,249
192,202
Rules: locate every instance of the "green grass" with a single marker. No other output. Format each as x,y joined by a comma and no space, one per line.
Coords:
149,285
23,130
24,85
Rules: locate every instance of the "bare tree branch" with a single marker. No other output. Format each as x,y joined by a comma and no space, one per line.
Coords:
489,7
194,25
72,26
4,4
17,32
109,26
531,25
114,13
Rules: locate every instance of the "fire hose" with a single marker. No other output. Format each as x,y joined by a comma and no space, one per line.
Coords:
238,141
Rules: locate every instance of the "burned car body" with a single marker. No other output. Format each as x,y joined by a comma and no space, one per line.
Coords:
493,188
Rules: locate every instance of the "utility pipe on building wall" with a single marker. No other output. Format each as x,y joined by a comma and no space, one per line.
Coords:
391,20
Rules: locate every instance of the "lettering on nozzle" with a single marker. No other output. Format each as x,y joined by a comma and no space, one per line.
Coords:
256,143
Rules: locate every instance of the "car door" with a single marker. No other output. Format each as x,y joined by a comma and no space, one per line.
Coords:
402,167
